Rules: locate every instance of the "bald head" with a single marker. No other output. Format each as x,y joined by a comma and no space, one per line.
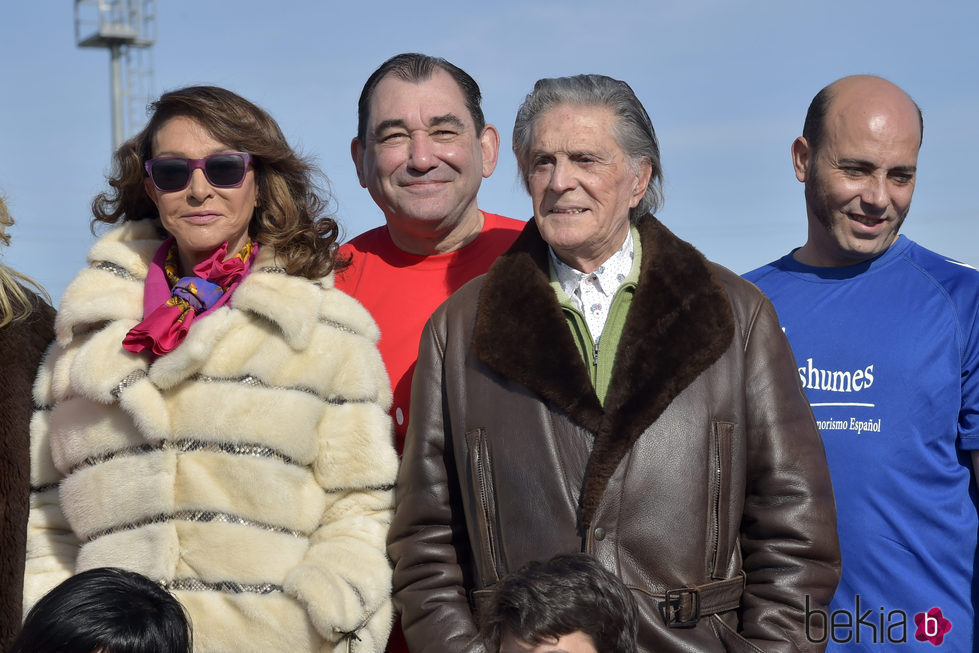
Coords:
858,158
852,97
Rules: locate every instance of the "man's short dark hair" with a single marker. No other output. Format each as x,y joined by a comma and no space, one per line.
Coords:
415,67
544,601
106,609
814,128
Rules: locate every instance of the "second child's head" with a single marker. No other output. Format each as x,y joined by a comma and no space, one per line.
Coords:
569,603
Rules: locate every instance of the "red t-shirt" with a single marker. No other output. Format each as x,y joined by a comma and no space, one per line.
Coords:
401,291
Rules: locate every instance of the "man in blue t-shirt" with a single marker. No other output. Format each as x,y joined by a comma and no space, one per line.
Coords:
886,337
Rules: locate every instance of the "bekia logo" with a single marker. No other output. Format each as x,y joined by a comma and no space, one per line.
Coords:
932,626
874,626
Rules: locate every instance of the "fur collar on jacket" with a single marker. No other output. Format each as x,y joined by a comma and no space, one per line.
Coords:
680,323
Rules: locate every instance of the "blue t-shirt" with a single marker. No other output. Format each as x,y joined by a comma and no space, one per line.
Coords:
888,352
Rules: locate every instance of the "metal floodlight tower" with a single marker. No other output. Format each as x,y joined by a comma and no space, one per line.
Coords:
126,28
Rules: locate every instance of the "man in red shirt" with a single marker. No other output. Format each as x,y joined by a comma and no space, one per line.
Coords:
422,150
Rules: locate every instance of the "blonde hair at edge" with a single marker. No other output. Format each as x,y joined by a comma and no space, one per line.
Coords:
15,302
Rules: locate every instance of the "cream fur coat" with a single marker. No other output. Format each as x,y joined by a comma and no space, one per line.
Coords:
250,470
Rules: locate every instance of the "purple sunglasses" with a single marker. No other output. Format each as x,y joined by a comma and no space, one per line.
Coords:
224,170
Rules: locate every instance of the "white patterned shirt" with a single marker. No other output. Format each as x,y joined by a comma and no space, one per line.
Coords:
592,293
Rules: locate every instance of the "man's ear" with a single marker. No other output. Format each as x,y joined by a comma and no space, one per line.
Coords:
802,158
644,172
357,154
489,143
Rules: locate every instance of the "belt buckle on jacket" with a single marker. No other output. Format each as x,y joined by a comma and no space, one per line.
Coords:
673,605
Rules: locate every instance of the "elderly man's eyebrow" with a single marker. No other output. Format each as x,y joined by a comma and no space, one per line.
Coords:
447,119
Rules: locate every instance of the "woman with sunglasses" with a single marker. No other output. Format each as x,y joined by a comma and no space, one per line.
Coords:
215,412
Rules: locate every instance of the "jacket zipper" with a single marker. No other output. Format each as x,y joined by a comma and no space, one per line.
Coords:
595,352
717,498
484,498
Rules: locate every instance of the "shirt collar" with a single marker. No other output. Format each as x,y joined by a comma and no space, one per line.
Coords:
609,275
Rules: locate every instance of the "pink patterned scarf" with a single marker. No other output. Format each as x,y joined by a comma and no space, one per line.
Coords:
171,303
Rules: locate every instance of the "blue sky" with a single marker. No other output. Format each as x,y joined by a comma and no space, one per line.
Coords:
727,85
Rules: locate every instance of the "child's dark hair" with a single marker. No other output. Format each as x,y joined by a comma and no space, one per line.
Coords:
107,610
544,601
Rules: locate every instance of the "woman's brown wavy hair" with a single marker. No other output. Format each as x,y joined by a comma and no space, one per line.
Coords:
292,212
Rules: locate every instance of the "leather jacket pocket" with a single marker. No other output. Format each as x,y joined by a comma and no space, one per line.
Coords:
732,640
720,483
486,550
478,600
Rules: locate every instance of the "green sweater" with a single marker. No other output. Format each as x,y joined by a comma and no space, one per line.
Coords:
600,358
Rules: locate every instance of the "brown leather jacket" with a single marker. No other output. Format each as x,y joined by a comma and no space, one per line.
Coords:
704,469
